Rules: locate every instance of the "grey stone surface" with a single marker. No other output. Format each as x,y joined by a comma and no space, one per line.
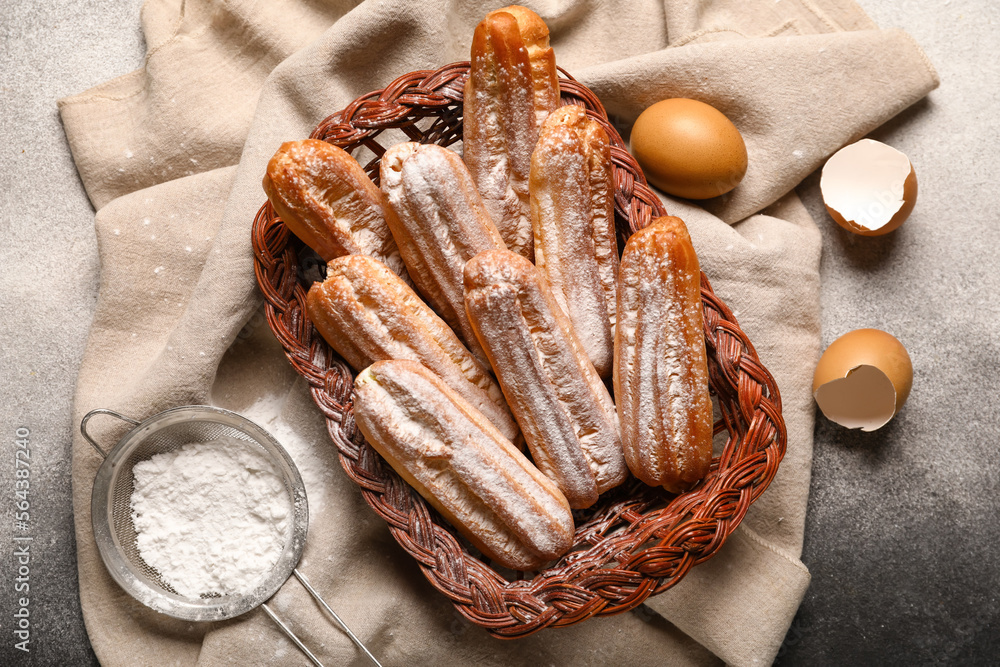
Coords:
902,531
902,522
47,50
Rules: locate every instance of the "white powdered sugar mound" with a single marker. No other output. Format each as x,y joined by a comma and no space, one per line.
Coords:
210,517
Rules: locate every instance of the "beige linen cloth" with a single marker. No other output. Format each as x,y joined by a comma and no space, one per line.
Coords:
172,157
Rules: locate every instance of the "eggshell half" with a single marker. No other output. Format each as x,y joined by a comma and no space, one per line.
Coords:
863,379
689,149
869,188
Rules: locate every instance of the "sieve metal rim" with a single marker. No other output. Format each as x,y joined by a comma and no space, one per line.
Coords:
138,585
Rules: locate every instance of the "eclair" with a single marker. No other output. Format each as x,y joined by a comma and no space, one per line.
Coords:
326,199
462,465
512,86
441,223
368,314
661,368
563,408
573,220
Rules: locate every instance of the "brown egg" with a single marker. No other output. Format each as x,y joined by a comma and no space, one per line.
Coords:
863,379
689,149
869,188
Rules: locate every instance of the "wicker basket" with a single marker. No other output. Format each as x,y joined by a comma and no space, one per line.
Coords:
637,541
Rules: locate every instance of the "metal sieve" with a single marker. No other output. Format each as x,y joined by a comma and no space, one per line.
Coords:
115,534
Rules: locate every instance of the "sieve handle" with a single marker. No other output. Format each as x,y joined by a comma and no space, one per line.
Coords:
101,411
291,635
343,626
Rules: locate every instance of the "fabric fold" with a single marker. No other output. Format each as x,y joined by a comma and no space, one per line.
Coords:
796,99
745,623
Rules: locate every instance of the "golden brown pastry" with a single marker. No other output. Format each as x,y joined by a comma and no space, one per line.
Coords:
661,370
367,314
573,219
325,198
454,457
565,412
441,224
512,87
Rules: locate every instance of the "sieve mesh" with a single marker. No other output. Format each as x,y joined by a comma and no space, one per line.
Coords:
113,490
168,439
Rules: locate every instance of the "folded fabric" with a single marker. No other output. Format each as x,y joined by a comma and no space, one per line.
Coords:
172,156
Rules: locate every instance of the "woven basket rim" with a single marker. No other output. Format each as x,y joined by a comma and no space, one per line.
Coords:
637,541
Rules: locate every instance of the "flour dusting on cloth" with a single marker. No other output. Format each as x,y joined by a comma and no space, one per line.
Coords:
211,518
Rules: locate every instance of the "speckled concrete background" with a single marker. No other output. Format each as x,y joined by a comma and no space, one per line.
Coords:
48,49
902,522
902,532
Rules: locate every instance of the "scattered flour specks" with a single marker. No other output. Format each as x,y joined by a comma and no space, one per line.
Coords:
315,470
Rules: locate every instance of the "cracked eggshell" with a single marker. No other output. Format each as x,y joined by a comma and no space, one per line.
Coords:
863,379
869,188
